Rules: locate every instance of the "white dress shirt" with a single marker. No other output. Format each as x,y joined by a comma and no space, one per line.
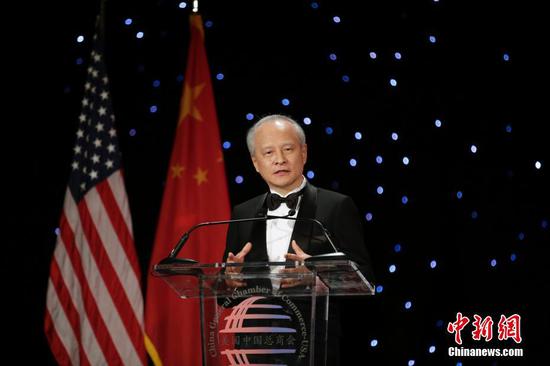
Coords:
279,231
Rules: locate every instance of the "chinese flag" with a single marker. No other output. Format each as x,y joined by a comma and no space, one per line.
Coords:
195,191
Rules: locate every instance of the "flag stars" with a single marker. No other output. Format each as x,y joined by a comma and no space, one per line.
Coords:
95,73
109,164
95,158
105,80
97,57
74,165
97,142
112,132
191,94
111,148
102,111
177,170
88,86
79,134
82,118
201,176
93,174
104,95
77,149
82,186
85,102
99,126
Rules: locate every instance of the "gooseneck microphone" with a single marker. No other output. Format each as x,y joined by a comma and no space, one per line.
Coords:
261,216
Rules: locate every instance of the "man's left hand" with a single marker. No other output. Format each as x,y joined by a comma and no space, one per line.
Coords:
298,256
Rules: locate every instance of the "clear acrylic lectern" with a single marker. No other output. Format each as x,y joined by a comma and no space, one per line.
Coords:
254,318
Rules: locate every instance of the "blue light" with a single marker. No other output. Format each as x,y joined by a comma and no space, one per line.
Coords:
345,78
139,35
332,56
352,162
521,236
314,5
473,149
474,214
285,102
156,83
459,363
410,363
226,145
128,21
219,76
374,343
393,82
509,128
506,57
439,323
394,136
437,123
379,189
392,268
307,121
433,264
397,248
379,289
459,195
208,24
249,116
368,216
408,305
239,179
336,19
404,200
538,165
79,61
358,135
80,39
310,174
513,257
182,5
57,231
179,78
397,55
329,130
379,159
132,132
431,349
406,160
493,262
544,224
372,55
153,109
432,39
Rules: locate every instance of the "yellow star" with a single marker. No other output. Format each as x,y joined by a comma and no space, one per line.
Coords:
176,170
200,176
187,106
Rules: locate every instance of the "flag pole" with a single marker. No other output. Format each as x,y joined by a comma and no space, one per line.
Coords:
195,6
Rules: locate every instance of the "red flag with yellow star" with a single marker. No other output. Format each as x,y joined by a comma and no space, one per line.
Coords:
195,191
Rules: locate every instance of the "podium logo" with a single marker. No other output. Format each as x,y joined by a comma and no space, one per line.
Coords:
266,331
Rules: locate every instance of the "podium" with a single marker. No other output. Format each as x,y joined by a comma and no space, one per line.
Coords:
268,313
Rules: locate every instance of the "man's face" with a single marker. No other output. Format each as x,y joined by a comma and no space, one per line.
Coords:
279,156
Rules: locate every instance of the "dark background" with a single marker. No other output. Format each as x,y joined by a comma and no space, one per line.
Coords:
270,50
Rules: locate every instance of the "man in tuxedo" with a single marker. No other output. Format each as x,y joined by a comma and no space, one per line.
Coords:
277,146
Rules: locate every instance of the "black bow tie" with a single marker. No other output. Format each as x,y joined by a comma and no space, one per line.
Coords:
274,200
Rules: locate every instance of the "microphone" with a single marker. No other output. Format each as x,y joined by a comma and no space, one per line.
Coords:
260,216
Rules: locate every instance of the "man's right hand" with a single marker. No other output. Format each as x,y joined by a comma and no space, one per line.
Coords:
239,258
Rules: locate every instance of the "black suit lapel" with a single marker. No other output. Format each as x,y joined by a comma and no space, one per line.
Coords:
303,230
257,236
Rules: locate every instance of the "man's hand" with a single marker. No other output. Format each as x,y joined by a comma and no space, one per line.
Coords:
239,258
299,256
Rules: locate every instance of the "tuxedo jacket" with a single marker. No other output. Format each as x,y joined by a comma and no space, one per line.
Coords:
337,212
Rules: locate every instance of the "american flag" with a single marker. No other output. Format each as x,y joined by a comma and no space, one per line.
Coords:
94,305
